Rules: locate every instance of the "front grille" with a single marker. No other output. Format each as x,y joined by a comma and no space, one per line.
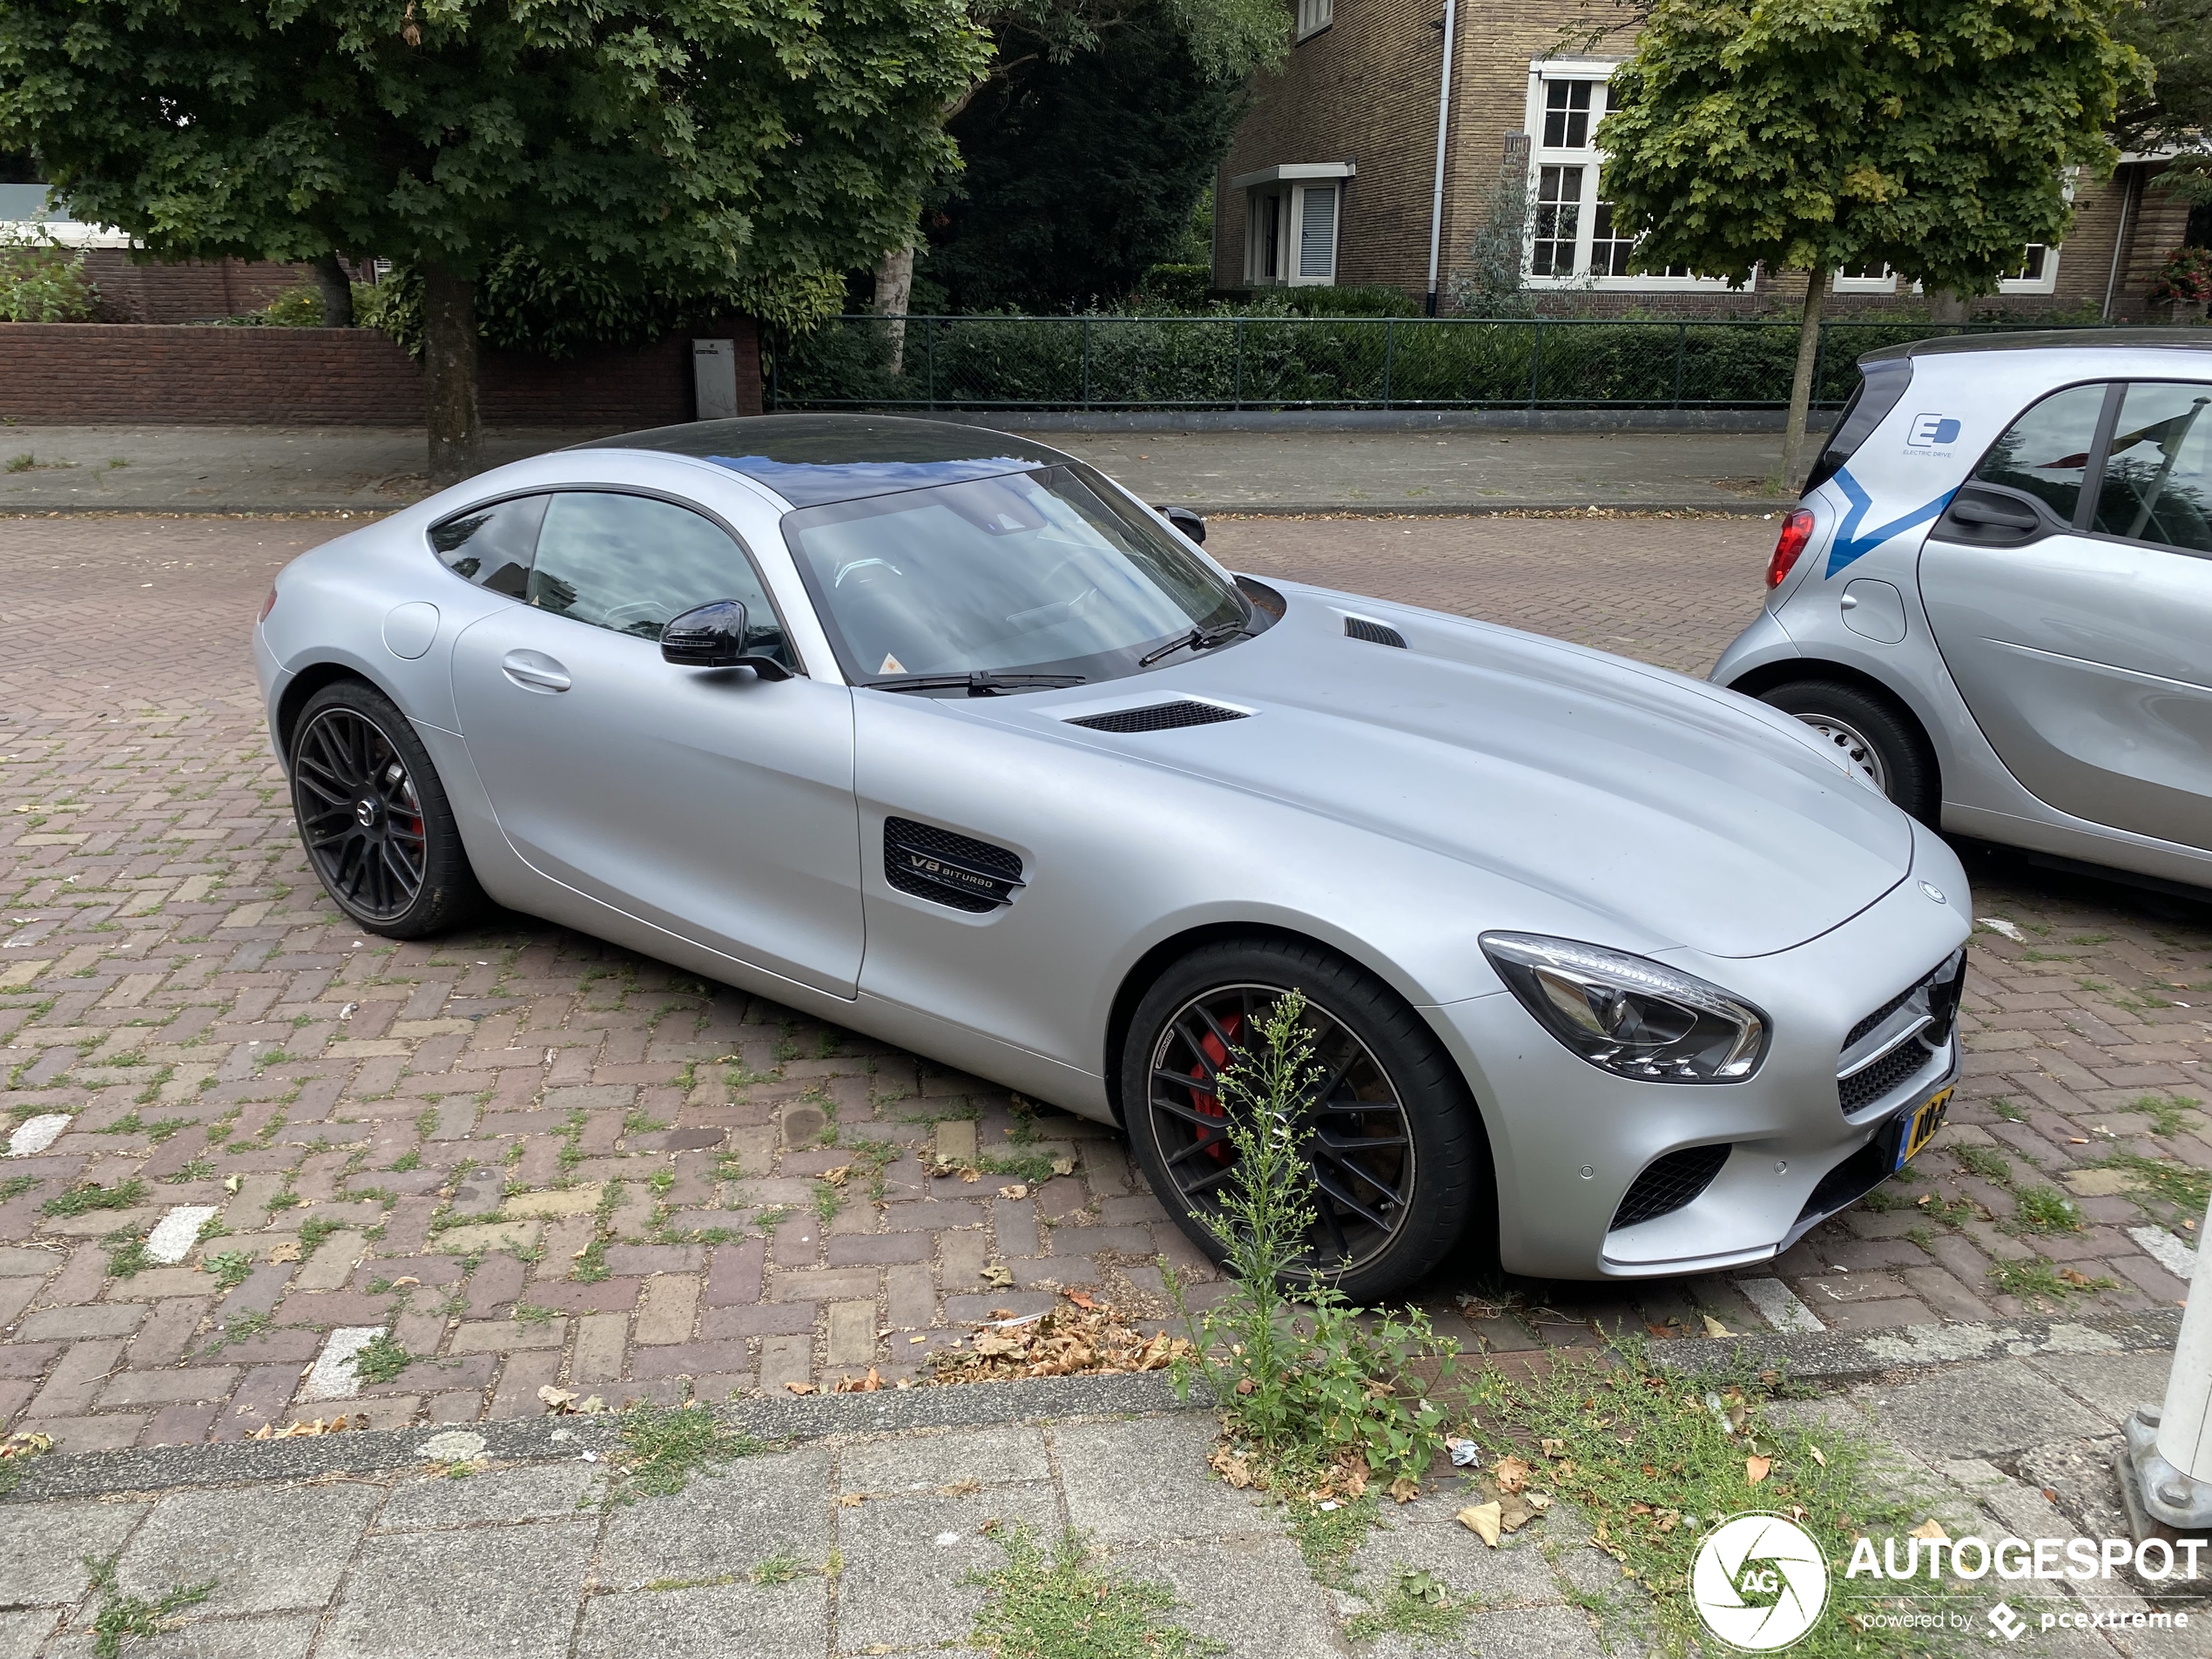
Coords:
1159,717
1668,1182
1375,633
1883,1012
927,862
1861,1089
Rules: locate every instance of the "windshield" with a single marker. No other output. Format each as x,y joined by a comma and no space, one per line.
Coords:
1028,573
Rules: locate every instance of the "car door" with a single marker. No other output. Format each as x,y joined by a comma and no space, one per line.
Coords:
712,803
2069,587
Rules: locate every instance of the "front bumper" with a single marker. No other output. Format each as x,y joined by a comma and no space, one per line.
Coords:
1568,1140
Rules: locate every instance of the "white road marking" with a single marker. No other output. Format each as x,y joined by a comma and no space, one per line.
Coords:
1778,1305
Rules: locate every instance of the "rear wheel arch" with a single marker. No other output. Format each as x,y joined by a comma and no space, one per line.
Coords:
1763,682
304,684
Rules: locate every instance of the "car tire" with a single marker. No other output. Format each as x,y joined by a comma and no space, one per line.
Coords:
1387,1062
374,817
1883,742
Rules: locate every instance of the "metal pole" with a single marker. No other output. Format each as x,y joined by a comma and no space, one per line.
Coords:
2120,239
2171,1446
1535,362
1237,393
1086,363
1390,342
1443,122
1681,347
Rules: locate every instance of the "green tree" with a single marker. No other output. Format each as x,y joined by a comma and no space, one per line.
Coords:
1044,215
2176,37
1929,135
737,153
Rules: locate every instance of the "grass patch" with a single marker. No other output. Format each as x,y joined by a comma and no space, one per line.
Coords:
244,1328
126,1254
380,1359
2045,1209
314,1230
2165,1112
122,1616
231,1269
1057,1606
529,1313
1417,1604
83,1201
1329,1538
15,1185
2172,1192
2005,1109
1981,1161
2037,1278
1655,1458
662,1447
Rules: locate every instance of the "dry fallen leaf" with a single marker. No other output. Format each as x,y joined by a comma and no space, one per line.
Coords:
557,1400
1019,1190
1930,1529
1404,1489
1756,1469
1553,1448
799,1387
960,1489
998,1275
836,1177
287,1252
1538,1501
1079,1299
1481,1520
850,1500
1818,1456
407,1279
1513,1473
870,1384
1063,1166
1714,1328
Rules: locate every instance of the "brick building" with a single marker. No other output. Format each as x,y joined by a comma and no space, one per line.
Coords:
1332,177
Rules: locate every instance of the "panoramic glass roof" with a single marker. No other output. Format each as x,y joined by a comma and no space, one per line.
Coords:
812,460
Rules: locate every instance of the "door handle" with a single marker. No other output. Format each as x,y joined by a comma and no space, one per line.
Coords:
535,671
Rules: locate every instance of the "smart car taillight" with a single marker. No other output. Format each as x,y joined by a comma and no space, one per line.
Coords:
269,604
1796,530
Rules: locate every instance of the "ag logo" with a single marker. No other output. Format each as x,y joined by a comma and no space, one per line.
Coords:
1759,1582
1932,431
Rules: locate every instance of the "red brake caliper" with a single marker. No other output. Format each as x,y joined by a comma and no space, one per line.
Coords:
1216,1141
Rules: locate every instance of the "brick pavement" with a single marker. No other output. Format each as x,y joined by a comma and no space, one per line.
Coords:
534,1159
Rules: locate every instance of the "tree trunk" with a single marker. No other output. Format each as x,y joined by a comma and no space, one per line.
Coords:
337,291
1793,433
1946,307
449,368
895,285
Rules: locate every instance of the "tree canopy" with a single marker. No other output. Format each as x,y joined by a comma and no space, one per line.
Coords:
1080,175
733,149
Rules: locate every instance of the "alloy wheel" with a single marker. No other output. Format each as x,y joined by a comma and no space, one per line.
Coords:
358,813
1865,759
1357,1137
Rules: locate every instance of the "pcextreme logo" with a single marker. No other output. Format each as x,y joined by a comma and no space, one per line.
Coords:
1759,1582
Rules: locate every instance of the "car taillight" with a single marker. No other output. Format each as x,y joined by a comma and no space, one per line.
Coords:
1796,530
269,604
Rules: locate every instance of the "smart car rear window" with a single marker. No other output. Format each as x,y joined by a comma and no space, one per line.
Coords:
491,546
1880,386
2046,452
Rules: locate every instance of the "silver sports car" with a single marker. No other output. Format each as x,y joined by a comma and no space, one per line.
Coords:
939,735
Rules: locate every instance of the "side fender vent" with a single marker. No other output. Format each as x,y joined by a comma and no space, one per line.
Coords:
1668,1182
927,862
1375,633
1159,717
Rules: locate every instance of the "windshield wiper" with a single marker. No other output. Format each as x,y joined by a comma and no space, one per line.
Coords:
980,683
1196,639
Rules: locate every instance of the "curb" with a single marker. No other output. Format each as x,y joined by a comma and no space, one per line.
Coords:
1831,1357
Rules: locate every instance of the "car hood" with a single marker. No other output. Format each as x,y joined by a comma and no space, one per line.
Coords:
1691,814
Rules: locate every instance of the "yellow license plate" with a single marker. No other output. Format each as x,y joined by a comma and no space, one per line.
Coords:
1921,1128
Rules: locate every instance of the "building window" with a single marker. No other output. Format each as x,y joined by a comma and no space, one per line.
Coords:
1293,215
1572,236
2038,273
1314,16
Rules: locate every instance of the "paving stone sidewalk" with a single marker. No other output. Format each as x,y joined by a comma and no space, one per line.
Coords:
533,1160
867,1543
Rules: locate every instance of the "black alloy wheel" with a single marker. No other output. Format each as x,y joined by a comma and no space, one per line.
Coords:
373,816
1399,1164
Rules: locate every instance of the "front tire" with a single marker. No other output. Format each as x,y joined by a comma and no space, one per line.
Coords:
1398,1156
1882,742
379,832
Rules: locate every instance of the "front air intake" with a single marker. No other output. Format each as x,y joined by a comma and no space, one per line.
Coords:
1668,1182
1375,633
926,862
1159,717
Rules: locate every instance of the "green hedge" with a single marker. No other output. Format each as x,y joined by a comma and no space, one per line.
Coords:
1276,361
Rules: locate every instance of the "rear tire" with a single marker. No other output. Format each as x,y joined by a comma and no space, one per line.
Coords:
1883,742
379,832
1402,1144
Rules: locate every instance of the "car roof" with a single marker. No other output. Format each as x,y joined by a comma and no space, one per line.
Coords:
2122,339
812,460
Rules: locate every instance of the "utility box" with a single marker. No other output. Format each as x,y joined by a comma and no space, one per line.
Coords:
714,379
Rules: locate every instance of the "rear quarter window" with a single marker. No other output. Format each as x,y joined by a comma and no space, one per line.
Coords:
1881,384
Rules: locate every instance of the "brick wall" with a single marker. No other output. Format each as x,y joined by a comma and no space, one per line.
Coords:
186,290
124,373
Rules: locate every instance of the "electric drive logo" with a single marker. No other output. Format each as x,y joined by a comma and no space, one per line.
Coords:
1932,431
1759,1582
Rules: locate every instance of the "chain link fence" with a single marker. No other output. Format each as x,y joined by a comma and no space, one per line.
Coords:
1112,362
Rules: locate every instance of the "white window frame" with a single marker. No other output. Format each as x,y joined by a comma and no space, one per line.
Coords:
1291,185
1314,15
2046,283
1543,73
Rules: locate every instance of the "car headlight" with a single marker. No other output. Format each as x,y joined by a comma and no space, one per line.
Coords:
1627,1015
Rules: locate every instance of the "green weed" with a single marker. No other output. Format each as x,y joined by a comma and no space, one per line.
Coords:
662,1447
2045,1209
231,1269
1417,1604
380,1359
82,1201
1058,1607
2036,1277
122,1616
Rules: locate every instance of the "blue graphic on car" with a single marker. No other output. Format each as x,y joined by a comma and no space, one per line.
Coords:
1849,545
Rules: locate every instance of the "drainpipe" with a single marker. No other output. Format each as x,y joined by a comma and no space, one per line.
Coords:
2120,239
1443,121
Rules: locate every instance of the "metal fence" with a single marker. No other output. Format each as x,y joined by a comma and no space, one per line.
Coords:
1113,363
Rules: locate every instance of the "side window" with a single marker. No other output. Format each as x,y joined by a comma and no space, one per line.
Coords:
2155,477
2046,452
491,545
632,563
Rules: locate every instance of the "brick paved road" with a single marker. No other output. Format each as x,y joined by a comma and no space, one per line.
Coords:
537,1160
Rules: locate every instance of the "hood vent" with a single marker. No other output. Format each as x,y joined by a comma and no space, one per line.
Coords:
927,862
1374,633
1159,717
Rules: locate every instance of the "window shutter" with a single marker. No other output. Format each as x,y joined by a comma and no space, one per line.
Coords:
1316,242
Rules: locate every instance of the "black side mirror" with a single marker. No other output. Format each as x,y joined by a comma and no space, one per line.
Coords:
1191,524
713,636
